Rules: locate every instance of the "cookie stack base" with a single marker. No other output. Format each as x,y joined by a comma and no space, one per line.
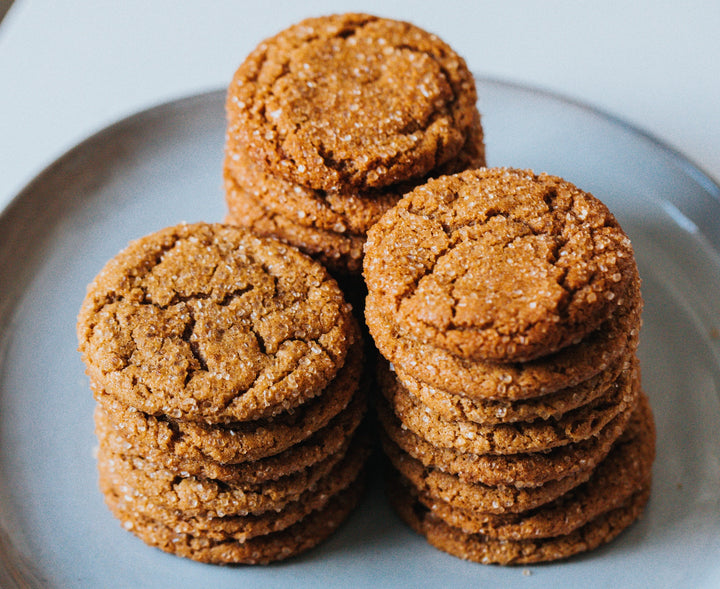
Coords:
479,548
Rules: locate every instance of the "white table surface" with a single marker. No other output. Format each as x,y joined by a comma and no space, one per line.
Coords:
68,68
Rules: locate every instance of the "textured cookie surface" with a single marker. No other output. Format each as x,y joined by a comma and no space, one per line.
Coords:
262,549
235,527
159,449
490,411
495,499
521,470
568,367
208,322
498,264
511,438
349,212
626,471
339,252
479,548
235,442
195,496
351,101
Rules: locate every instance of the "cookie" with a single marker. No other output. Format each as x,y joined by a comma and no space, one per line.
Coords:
349,212
241,527
194,496
516,437
339,252
240,441
519,470
210,323
351,101
492,411
570,366
498,265
625,471
331,439
263,549
477,496
478,548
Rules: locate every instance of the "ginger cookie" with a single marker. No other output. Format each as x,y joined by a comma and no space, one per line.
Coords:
516,437
498,265
262,549
241,527
351,101
208,322
135,476
495,499
339,252
576,363
349,212
481,549
338,212
625,471
491,411
331,439
519,470
238,441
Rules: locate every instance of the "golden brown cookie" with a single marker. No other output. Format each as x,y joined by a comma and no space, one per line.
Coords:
348,212
263,549
626,470
568,367
339,252
208,322
236,442
516,437
351,101
479,548
240,527
520,470
498,265
490,411
134,476
331,439
486,498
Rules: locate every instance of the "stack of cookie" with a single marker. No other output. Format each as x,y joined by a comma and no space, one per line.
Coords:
508,306
331,121
227,370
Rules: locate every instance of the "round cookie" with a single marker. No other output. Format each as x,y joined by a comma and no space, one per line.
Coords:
208,322
264,549
134,476
241,527
450,406
352,212
337,212
478,548
498,264
327,441
238,442
511,438
351,101
511,381
520,470
339,252
486,498
626,470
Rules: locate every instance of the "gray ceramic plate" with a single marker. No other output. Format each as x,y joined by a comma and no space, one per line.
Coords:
161,167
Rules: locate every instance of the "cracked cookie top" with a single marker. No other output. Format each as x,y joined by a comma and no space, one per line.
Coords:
210,323
351,101
498,265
